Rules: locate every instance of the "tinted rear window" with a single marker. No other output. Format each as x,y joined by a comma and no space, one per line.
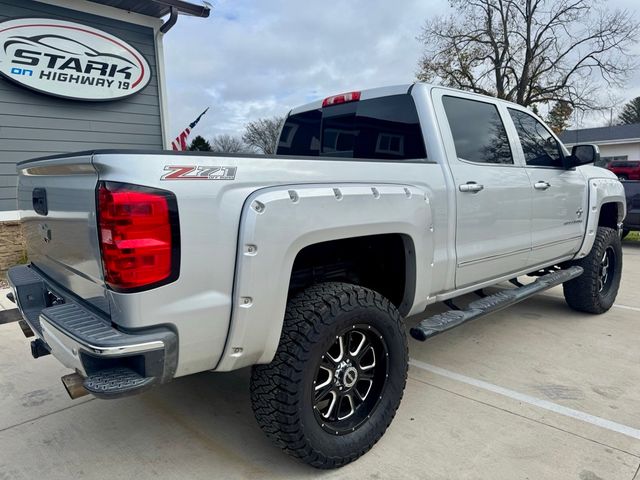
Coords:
379,128
478,132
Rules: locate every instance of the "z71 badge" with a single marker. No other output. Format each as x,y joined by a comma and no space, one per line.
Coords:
193,172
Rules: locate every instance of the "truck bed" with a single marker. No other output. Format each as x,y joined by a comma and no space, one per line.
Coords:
200,300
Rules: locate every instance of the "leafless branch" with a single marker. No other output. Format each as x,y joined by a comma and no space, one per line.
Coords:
530,51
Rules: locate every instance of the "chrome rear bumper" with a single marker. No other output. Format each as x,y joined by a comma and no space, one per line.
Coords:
89,343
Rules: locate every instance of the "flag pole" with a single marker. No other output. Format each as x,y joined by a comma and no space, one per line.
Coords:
180,143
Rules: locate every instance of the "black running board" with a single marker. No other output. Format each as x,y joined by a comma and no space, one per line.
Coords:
432,326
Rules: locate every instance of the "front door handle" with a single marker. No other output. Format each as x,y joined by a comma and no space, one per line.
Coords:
472,187
541,185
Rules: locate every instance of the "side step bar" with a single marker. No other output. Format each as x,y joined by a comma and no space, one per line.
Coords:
432,326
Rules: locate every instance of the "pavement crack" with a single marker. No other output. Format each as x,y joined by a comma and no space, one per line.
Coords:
529,418
44,415
636,476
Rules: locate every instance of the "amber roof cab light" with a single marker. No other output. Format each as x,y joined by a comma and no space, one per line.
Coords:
341,98
139,236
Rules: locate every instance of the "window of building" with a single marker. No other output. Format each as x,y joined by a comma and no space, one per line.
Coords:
390,144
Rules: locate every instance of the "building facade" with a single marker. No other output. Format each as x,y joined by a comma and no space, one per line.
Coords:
618,142
40,117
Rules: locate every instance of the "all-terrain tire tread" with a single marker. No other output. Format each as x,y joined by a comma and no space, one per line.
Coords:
273,386
581,293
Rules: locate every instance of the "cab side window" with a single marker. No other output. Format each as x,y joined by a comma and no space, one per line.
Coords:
538,145
478,132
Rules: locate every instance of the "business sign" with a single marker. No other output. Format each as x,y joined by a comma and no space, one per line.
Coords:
70,60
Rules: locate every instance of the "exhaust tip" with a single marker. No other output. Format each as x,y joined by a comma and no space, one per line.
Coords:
74,385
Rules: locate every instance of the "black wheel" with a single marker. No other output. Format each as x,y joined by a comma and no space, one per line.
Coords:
622,177
338,375
595,290
624,233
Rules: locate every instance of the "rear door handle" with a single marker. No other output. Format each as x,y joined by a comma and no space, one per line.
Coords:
541,185
472,187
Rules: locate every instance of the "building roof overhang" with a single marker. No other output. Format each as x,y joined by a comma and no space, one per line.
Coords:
158,8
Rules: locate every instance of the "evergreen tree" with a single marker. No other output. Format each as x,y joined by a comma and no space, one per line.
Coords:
630,112
200,144
558,117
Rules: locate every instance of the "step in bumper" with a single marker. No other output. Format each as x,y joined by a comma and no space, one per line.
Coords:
86,341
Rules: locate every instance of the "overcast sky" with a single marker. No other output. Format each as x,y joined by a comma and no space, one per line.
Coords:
253,59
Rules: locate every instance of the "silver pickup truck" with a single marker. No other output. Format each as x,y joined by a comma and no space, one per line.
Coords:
147,266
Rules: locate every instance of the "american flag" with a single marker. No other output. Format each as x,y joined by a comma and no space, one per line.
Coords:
180,143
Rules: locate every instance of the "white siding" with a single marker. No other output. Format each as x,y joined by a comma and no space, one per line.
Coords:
631,150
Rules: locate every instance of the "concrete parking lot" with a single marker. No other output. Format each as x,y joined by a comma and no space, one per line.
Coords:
533,392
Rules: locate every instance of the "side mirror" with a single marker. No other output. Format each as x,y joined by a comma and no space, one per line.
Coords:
584,154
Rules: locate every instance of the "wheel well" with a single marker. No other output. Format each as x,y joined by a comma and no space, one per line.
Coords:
384,263
608,215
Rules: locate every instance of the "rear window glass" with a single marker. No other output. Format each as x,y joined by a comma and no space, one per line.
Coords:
379,128
478,132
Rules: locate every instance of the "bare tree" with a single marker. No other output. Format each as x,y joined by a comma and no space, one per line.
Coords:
262,134
611,107
530,51
225,143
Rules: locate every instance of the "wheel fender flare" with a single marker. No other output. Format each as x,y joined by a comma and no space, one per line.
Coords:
601,191
277,222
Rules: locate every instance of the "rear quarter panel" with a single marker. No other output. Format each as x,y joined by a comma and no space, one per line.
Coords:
199,304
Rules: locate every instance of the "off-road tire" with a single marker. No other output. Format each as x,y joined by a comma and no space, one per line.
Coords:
583,293
282,392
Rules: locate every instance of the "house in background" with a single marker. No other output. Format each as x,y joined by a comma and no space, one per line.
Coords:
619,142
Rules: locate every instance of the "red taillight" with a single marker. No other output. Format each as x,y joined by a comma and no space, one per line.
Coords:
342,98
139,239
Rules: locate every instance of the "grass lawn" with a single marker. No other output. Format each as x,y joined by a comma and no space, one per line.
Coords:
633,237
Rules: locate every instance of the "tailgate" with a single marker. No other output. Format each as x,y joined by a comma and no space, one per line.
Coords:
57,203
